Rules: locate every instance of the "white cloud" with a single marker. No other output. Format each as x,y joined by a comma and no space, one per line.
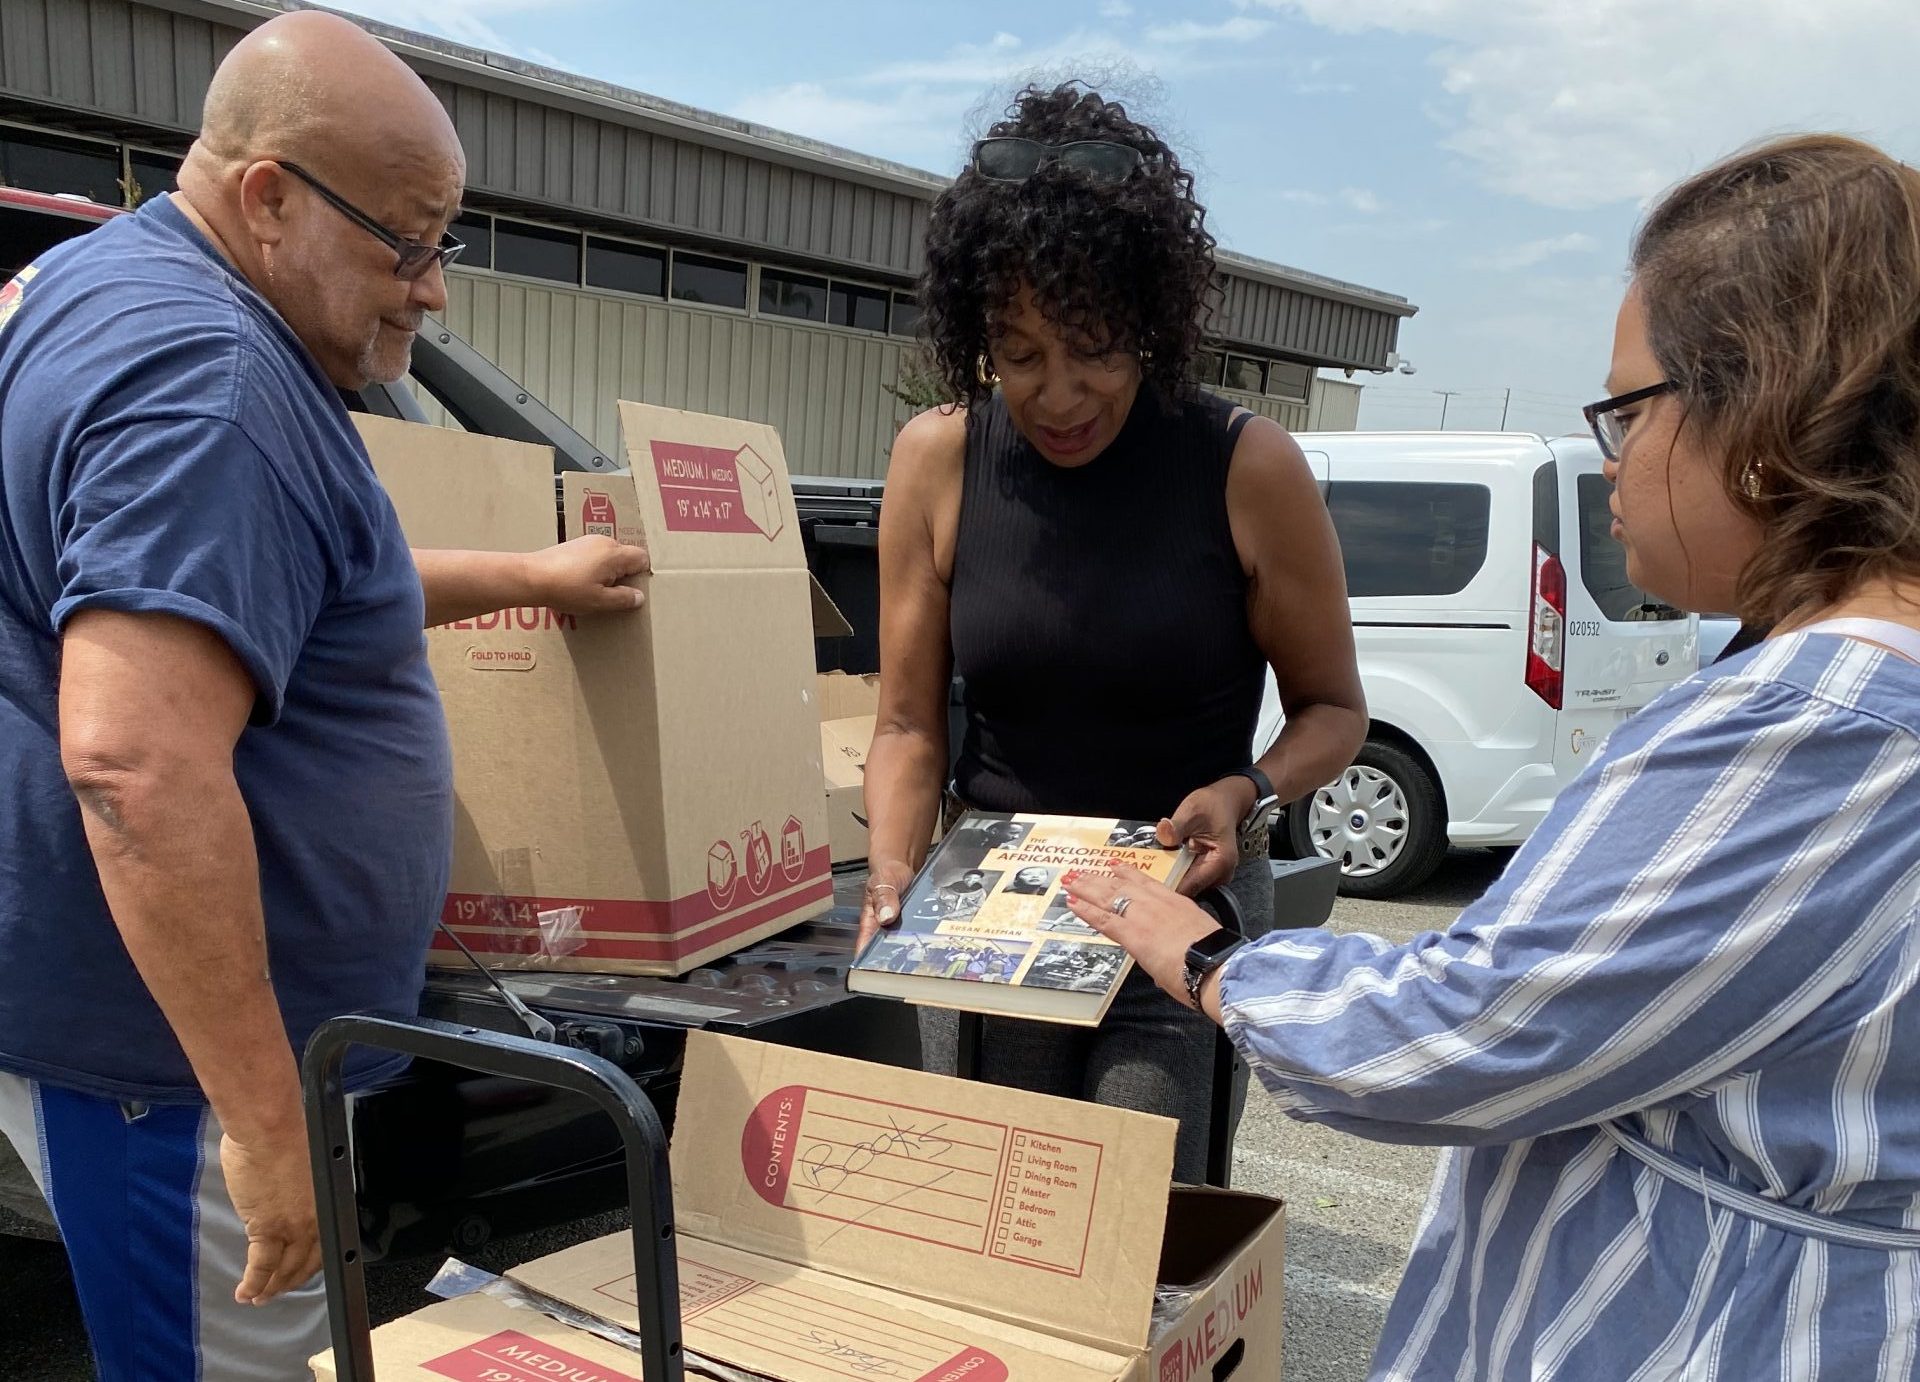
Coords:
1579,106
1300,196
1115,9
890,122
1239,29
1532,252
463,21
1361,200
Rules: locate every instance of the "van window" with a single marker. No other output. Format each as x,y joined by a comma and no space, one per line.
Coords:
1603,562
1410,538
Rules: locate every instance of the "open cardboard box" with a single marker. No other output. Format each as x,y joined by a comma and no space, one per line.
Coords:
838,1219
635,792
848,704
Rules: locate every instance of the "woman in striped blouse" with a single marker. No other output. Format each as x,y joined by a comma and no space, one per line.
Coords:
1677,1045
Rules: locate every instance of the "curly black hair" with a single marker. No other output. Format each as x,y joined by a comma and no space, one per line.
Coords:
1128,265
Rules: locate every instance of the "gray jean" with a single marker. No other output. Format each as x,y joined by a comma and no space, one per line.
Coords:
1150,1054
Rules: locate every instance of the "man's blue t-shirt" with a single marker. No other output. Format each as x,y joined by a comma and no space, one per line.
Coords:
168,446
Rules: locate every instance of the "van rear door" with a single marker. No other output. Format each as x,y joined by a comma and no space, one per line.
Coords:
1623,646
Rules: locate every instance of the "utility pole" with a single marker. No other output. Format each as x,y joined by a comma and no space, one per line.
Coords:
1504,407
1446,396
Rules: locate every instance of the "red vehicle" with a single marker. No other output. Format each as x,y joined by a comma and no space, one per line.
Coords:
33,222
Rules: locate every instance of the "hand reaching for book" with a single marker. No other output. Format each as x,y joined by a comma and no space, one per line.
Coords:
886,885
1208,822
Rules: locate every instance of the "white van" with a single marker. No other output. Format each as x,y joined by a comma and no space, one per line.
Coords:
1499,643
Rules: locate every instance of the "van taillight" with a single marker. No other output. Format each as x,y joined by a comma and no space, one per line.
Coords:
1547,638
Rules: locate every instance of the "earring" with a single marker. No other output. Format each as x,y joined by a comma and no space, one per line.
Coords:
1750,479
985,373
1146,357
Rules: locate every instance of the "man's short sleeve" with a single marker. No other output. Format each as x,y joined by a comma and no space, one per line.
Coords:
187,517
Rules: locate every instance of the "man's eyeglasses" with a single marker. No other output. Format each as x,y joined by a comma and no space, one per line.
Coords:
1006,158
412,259
1604,417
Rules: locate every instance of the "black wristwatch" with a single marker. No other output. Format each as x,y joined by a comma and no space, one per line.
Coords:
1206,955
1259,820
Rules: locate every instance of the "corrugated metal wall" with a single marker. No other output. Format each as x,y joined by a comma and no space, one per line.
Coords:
581,352
521,149
1305,325
824,390
146,68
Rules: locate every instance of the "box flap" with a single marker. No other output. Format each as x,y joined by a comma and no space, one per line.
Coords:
799,1325
460,489
714,493
843,695
1024,1207
828,621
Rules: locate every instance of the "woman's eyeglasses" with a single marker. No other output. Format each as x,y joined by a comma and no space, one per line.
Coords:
1007,158
1604,417
412,259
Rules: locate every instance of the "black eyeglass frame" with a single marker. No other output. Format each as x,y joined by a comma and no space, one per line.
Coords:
412,259
1056,153
1597,414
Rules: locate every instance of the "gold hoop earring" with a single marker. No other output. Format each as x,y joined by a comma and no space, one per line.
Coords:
984,373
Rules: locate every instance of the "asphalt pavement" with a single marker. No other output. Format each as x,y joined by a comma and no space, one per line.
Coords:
1351,1208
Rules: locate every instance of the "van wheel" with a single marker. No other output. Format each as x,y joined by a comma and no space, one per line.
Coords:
1381,820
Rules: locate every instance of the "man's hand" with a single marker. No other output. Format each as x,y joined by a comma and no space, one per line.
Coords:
270,1181
579,577
1208,823
584,576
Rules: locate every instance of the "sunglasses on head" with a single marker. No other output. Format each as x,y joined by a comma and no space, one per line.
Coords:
1008,158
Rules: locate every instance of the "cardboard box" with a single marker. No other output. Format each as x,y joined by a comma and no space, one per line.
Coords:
479,1339
838,1215
838,1219
847,704
636,793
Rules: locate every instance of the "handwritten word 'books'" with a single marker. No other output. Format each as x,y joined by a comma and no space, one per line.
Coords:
986,928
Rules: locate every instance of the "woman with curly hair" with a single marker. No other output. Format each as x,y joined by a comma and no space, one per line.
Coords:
1667,1045
1108,557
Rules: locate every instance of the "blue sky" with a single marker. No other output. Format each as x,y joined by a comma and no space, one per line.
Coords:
1487,159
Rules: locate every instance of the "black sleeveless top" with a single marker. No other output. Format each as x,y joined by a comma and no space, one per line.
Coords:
1099,617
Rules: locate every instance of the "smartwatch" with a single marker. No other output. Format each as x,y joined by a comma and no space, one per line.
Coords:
1206,955
1259,820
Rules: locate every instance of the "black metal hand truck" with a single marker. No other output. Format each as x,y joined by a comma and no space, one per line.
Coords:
649,1186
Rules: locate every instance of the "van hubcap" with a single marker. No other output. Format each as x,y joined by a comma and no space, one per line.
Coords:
1359,819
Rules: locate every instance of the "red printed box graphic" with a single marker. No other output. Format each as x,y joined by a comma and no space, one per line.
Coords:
511,1356
711,489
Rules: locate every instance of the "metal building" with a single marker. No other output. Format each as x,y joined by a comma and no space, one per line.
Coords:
622,246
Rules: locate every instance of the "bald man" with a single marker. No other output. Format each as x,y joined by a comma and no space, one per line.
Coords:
225,790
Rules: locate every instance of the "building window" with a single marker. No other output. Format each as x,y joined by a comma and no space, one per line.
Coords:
1245,374
715,282
1207,366
154,175
626,268
1288,380
536,251
906,315
46,163
793,295
475,232
865,309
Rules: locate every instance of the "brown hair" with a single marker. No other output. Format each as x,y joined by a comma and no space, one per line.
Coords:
1782,294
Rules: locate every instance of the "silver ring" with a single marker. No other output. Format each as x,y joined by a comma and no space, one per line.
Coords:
1119,905
888,886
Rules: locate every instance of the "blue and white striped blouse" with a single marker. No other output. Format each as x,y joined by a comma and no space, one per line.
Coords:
1713,939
